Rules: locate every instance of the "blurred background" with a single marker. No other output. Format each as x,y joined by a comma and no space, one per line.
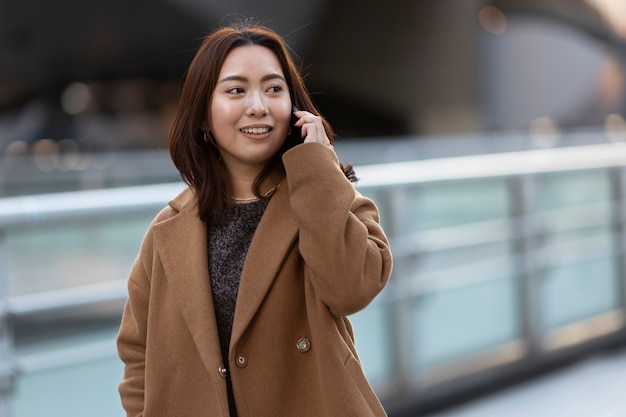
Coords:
491,135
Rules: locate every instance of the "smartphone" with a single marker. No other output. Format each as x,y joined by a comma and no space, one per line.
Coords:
296,131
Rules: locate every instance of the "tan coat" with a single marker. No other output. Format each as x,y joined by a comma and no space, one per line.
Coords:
318,255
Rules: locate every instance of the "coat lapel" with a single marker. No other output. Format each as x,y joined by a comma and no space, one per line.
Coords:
182,246
272,240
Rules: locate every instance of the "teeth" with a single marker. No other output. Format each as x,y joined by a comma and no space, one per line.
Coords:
256,130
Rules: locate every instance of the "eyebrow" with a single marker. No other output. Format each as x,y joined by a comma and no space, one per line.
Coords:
241,78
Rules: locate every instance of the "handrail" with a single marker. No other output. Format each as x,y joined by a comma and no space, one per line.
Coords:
43,208
23,210
504,164
47,302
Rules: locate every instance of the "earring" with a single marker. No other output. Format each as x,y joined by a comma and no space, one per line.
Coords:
208,138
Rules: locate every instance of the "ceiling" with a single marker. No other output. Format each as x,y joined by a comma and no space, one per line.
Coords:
48,44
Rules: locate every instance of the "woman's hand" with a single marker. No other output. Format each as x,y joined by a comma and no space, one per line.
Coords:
312,128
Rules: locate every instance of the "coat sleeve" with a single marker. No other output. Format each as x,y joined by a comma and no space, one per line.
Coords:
345,249
131,339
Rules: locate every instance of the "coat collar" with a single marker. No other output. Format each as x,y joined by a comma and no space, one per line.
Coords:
274,237
182,245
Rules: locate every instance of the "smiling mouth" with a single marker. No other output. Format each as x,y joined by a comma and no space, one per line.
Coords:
256,130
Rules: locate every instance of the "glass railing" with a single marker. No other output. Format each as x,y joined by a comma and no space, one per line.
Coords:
500,259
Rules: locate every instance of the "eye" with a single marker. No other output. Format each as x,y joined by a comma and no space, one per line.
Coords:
275,89
235,90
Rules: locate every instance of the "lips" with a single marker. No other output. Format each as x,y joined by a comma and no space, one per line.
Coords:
256,130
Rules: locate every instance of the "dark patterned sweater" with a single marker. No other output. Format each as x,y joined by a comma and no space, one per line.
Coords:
228,244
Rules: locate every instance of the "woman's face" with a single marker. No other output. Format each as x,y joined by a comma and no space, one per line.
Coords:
250,108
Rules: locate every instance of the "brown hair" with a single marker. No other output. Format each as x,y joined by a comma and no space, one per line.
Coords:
197,160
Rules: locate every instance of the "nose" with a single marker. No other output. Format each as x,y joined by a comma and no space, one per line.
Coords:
257,105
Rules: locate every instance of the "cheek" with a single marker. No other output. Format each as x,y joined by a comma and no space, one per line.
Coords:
283,116
220,111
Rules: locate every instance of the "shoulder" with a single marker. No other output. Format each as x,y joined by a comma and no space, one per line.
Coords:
185,201
179,217
182,206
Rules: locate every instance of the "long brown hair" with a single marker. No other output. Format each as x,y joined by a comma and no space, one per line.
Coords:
197,160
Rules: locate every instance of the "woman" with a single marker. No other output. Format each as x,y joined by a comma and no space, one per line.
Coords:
238,298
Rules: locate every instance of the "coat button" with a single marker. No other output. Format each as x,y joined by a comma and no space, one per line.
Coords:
303,344
241,361
222,370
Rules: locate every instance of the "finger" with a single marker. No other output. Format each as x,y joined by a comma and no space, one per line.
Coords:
306,128
314,133
304,120
306,117
302,113
314,130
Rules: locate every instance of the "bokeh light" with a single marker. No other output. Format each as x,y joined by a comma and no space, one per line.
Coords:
493,20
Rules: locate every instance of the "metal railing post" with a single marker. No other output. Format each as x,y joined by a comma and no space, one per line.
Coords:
618,212
7,363
525,248
402,326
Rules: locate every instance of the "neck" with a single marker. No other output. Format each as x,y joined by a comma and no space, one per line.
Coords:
242,187
243,176
241,180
